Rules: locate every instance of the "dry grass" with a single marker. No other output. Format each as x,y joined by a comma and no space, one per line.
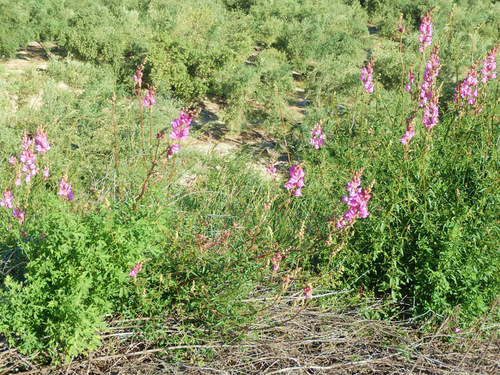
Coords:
289,340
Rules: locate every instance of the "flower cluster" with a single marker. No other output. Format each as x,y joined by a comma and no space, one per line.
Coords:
489,65
410,131
271,168
308,291
149,99
6,201
401,28
318,139
181,127
276,261
138,77
135,270
296,180
466,89
429,96
28,157
41,143
411,79
356,200
65,189
367,76
425,28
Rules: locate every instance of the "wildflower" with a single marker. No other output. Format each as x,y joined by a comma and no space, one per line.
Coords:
367,76
356,200
19,214
296,180
271,168
308,291
431,113
41,143
181,126
149,99
457,330
12,160
46,173
26,143
425,28
317,139
18,180
401,28
135,270
65,189
174,149
466,89
432,69
411,79
489,66
276,261
138,77
429,97
7,199
410,131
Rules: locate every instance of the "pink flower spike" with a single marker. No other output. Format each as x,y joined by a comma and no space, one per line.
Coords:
65,189
41,143
26,143
296,180
425,28
19,214
367,76
46,173
135,270
489,65
12,160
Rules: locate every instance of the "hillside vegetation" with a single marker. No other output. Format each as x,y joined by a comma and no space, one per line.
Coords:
368,166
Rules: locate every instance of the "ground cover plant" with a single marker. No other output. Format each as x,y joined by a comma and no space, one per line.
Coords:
387,188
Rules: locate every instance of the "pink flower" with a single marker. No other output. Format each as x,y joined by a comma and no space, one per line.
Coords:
425,28
26,143
7,199
318,139
12,160
296,180
410,131
276,261
367,76
149,99
356,200
19,214
65,189
308,291
46,173
41,143
457,330
411,79
181,126
135,270
401,28
466,89
271,169
138,77
489,65
174,149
